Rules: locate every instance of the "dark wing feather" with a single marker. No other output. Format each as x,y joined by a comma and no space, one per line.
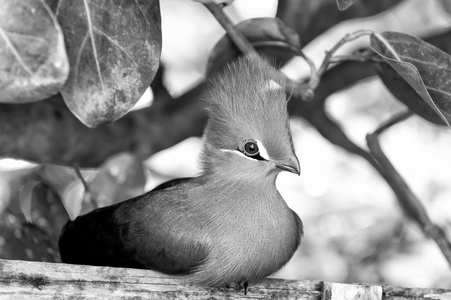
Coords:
173,182
148,231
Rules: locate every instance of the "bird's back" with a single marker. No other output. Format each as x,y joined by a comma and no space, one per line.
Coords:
136,233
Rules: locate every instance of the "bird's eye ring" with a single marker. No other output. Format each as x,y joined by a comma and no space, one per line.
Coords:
251,148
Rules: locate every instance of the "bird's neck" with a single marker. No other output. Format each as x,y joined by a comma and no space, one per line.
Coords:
235,184
229,168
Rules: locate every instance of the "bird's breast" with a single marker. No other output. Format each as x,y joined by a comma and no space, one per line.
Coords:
252,237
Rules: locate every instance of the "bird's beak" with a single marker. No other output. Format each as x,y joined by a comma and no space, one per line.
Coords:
291,165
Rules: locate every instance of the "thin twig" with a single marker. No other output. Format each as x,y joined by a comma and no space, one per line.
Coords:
393,121
409,201
302,90
354,57
314,77
235,35
329,54
86,186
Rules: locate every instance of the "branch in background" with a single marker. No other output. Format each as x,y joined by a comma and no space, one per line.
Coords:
330,53
92,201
339,78
307,17
47,132
236,36
296,88
408,200
398,118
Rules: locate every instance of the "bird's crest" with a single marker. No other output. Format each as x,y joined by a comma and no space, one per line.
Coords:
244,101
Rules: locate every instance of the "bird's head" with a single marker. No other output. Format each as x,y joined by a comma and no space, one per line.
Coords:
248,129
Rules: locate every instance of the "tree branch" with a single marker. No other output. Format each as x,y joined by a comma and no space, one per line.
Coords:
296,88
411,205
47,132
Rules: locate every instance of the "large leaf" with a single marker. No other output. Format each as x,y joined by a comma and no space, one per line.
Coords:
270,37
424,67
406,94
33,60
114,49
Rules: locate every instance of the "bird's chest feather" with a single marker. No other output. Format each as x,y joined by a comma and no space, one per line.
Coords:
253,236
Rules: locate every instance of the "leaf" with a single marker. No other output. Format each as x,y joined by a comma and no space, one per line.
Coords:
33,60
406,94
121,177
270,36
424,67
114,50
345,4
73,198
26,198
58,177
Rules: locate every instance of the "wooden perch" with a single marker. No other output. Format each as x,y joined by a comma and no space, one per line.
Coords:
40,280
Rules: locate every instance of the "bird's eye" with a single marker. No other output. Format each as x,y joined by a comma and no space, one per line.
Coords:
251,148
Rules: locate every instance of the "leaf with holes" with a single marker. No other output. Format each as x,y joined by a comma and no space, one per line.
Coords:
114,50
33,60
270,37
345,4
424,67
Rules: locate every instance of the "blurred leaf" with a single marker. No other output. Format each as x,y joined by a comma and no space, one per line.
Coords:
120,178
23,240
58,177
114,51
424,67
345,4
33,60
26,198
270,37
5,195
446,4
73,198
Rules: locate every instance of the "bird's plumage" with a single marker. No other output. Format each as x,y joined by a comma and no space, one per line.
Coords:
229,224
245,101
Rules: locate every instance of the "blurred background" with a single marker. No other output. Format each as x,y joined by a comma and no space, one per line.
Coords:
355,230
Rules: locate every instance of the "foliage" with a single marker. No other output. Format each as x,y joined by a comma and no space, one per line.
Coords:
113,49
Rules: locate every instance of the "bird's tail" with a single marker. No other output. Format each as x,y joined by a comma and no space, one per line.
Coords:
95,239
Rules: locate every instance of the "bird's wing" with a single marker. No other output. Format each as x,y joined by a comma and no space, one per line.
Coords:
173,182
152,231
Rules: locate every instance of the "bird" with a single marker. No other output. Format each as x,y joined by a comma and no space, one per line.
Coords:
229,225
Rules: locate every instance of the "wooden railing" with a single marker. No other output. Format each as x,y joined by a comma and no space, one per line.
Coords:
38,280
